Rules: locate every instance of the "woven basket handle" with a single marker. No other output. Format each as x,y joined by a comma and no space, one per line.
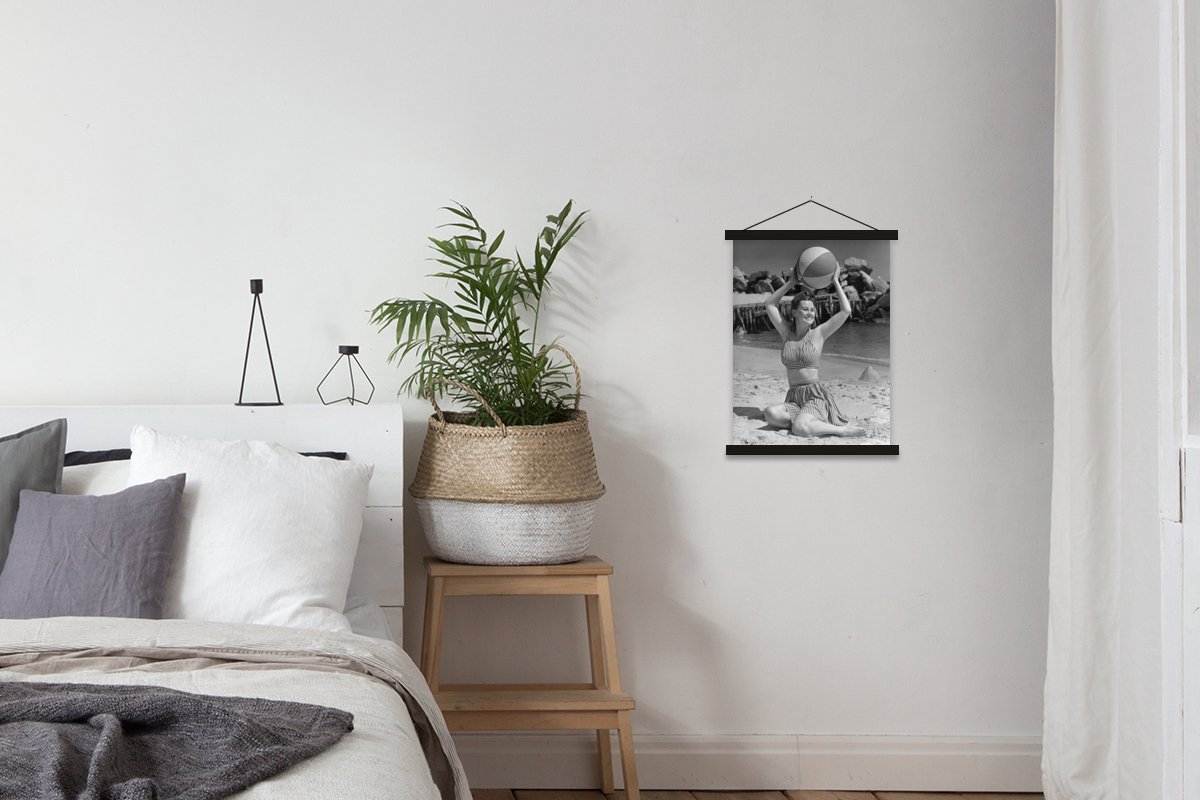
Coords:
442,418
574,366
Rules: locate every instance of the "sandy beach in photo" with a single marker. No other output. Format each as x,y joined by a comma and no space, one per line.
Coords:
759,380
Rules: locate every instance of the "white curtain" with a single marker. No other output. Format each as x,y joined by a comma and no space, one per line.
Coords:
1080,727
1097,745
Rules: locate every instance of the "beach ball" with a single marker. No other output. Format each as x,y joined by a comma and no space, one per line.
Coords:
815,267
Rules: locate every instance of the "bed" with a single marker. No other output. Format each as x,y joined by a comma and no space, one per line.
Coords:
399,745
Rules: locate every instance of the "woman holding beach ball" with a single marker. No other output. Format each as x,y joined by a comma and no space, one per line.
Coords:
809,408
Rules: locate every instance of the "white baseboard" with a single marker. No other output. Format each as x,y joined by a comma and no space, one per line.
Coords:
895,763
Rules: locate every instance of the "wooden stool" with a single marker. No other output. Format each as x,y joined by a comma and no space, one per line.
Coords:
599,705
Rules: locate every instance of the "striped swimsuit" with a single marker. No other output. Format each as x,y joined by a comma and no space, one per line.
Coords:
808,396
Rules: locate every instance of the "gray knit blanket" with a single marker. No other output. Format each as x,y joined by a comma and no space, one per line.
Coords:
62,741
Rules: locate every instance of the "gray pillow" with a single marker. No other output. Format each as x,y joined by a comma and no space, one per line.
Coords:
31,459
82,556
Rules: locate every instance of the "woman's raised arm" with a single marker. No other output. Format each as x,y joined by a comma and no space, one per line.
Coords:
830,326
773,312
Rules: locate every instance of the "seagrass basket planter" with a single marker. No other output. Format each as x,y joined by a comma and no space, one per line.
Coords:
508,495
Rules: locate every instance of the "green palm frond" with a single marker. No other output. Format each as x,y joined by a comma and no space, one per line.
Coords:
486,337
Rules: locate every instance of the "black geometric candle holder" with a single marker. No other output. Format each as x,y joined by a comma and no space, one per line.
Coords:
349,352
256,288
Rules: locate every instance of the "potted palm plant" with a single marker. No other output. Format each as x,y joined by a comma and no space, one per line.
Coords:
511,480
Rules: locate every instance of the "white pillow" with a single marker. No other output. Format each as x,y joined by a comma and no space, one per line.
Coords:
265,535
106,477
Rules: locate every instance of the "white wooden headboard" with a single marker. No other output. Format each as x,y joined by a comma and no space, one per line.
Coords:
371,434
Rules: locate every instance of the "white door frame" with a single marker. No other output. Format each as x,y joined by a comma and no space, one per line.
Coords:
1179,448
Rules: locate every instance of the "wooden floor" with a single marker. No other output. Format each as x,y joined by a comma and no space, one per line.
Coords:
551,794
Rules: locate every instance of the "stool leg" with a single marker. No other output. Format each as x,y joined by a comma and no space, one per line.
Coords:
596,642
604,745
431,635
600,681
600,614
608,632
628,765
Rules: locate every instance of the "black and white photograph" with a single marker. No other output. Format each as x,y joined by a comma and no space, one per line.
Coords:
812,341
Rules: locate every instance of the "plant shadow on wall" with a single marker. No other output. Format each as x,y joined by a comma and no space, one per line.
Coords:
513,479
639,530
658,567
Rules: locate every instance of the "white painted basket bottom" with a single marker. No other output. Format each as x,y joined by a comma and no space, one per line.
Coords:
507,533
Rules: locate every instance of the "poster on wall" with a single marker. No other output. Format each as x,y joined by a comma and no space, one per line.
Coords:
812,314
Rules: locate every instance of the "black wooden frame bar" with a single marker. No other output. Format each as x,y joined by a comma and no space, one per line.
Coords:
812,449
769,235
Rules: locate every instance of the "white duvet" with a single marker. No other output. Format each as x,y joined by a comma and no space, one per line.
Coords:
399,748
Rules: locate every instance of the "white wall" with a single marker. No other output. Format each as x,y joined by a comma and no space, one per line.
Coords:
155,156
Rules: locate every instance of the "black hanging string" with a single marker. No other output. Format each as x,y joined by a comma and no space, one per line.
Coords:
814,202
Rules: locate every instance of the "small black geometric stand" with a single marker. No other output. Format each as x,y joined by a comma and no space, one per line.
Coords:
256,288
350,353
